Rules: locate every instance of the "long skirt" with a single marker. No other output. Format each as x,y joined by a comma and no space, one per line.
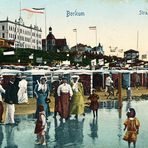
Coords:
63,105
22,95
77,104
41,100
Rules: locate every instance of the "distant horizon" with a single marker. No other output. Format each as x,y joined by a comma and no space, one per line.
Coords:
117,21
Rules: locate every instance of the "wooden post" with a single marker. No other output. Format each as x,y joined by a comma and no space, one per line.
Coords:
120,94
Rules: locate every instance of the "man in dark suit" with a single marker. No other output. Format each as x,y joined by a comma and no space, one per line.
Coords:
10,99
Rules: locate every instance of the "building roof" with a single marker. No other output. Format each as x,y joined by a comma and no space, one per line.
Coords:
50,36
23,25
131,51
60,42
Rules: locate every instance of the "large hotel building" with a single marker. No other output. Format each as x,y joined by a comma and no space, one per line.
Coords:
22,35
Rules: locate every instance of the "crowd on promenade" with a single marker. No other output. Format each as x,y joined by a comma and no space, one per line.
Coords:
69,100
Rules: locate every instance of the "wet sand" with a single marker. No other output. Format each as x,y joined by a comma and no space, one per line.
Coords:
31,107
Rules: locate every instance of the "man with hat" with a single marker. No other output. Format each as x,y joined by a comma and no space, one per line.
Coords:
65,93
10,99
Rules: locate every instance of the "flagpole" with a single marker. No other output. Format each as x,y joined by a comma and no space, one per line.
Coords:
75,30
137,40
76,41
45,32
96,36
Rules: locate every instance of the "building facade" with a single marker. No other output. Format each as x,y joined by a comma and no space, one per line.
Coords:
98,49
54,44
23,36
131,55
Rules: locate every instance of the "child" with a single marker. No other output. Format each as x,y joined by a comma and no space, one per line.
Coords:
40,127
132,125
94,105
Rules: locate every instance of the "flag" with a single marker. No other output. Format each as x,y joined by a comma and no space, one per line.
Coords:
74,30
34,10
92,27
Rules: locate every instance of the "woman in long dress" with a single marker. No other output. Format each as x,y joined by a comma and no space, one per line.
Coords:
77,102
22,92
65,93
42,95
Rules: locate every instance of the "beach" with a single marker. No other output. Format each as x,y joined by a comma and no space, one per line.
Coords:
31,107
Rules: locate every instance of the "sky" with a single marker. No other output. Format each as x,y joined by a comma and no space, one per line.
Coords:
117,21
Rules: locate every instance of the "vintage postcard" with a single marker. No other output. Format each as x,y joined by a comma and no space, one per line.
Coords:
73,73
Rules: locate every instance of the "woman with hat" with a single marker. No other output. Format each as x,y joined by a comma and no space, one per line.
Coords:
22,92
77,102
42,94
65,93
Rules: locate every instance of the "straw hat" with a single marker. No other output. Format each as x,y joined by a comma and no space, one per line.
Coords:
43,78
75,77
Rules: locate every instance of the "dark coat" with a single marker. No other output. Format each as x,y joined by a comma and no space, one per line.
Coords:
11,94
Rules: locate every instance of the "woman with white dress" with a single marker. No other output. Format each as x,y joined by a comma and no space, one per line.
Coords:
22,92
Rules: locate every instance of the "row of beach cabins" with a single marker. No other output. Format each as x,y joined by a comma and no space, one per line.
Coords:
89,78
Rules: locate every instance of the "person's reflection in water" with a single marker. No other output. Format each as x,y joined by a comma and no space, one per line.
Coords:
69,134
61,134
1,136
47,137
9,129
94,129
120,131
76,131
128,105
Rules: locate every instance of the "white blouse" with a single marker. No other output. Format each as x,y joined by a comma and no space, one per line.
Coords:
64,88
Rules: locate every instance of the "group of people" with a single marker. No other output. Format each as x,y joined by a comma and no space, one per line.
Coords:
14,93
69,100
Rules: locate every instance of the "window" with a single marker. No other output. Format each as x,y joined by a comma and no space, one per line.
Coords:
3,35
3,27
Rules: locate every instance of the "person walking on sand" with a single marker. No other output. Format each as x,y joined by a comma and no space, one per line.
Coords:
22,92
132,125
16,83
55,86
1,100
137,83
94,104
41,126
77,101
10,99
65,93
109,86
